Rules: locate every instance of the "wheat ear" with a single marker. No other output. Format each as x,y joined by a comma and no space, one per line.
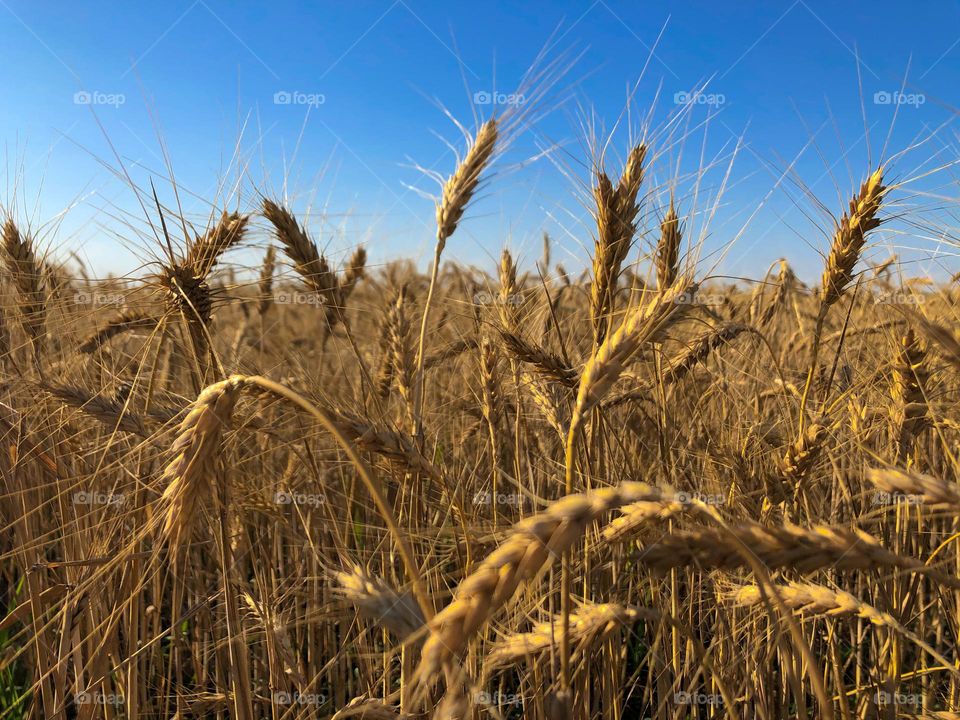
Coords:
380,603
647,323
802,549
532,544
265,284
850,237
931,490
27,275
616,216
668,248
206,250
819,600
302,251
457,193
187,476
544,362
124,322
590,623
910,378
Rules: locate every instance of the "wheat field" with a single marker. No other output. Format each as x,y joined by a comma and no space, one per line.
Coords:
327,489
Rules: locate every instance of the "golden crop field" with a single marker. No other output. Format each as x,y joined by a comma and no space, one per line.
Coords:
332,490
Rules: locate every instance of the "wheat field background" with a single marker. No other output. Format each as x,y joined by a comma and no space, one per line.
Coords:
328,490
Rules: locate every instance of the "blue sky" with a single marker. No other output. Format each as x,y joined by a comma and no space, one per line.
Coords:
367,84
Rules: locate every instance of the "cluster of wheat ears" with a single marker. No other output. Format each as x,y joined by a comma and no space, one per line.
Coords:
462,495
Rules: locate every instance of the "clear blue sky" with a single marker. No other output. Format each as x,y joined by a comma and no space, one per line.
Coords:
192,73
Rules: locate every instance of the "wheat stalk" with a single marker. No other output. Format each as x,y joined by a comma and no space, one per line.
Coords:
126,321
458,191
